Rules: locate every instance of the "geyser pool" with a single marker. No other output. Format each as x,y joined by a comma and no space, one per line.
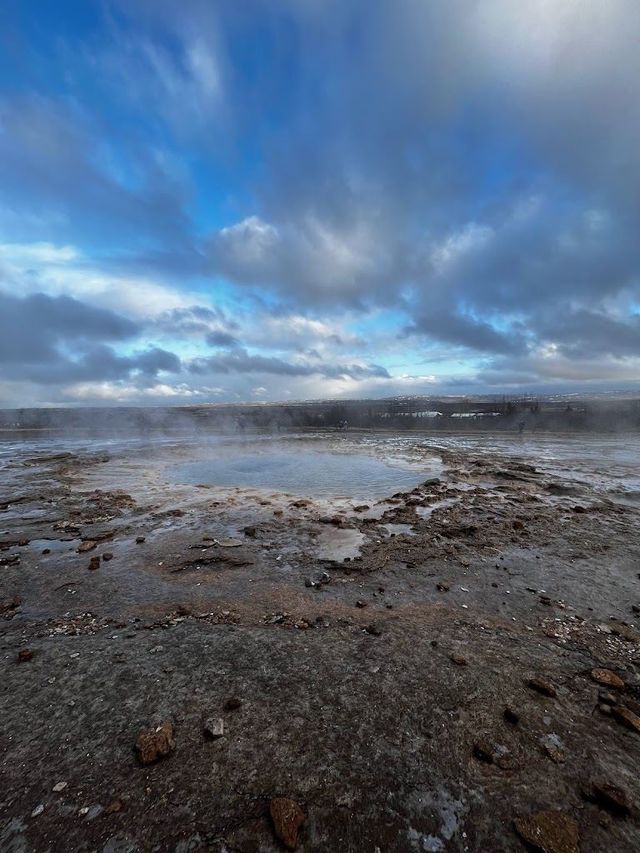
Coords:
307,471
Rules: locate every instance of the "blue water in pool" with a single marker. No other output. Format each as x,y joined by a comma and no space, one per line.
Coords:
301,472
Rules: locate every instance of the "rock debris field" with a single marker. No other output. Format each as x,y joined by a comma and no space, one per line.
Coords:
193,668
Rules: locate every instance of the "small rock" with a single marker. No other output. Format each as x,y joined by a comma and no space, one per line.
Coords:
608,678
94,563
232,704
140,540
155,743
543,687
25,655
287,817
459,660
114,807
552,747
626,718
37,811
374,629
250,531
107,556
443,587
87,545
361,603
46,551
59,786
611,798
549,831
94,811
213,728
518,524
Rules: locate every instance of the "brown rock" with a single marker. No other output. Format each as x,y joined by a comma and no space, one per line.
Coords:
626,718
94,563
87,545
25,655
549,831
543,687
459,660
287,817
156,743
609,797
608,678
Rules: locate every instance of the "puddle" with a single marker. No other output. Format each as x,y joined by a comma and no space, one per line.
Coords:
427,511
339,544
399,529
298,471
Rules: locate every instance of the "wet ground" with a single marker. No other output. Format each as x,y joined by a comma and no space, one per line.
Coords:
411,642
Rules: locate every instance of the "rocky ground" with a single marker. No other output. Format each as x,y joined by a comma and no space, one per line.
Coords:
188,669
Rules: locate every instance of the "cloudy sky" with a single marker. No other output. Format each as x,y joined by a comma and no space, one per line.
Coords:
216,200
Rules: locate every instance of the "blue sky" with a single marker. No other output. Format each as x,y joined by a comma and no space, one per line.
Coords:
288,199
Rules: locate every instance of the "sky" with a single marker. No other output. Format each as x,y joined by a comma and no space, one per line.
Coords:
218,201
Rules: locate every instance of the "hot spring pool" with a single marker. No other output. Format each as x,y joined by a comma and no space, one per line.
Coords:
306,471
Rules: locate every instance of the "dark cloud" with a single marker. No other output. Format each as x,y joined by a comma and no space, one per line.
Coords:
240,361
51,340
221,339
32,328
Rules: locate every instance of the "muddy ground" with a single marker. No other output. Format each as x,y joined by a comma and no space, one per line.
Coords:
415,673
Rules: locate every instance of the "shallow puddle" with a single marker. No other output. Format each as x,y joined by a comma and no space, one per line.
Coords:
336,544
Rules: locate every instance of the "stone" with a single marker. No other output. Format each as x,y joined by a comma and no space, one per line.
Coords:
459,660
213,728
37,811
114,807
287,817
374,629
107,556
25,655
610,797
250,531
626,718
361,603
608,678
87,545
94,563
232,704
443,587
542,687
59,786
552,747
139,540
155,743
549,831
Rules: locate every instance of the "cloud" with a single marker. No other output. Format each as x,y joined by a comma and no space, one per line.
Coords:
319,192
238,360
